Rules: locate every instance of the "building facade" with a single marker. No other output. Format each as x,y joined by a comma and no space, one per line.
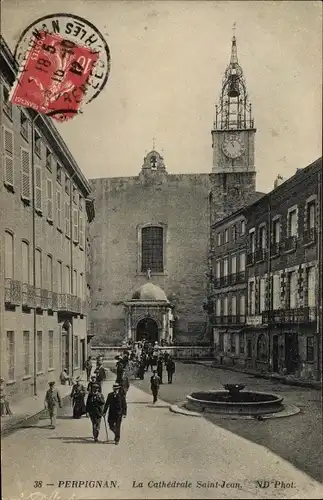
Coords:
44,213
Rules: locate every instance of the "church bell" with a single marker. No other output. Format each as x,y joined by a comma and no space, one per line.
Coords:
233,87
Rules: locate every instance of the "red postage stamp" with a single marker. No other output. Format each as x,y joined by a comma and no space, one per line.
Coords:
54,77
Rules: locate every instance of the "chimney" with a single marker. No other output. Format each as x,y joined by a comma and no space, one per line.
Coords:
278,181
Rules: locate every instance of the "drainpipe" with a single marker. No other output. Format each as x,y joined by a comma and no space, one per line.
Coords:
34,243
320,271
71,268
269,282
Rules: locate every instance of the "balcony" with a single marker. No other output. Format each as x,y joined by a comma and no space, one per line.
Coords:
229,320
275,249
290,316
290,244
28,296
12,292
250,258
309,236
260,255
233,279
241,277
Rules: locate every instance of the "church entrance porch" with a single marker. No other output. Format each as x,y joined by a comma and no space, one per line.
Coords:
147,329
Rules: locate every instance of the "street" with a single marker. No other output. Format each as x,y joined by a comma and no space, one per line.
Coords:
161,454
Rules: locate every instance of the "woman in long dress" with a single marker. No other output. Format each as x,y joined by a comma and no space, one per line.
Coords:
77,396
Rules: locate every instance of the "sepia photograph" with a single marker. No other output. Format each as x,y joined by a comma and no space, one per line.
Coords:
161,239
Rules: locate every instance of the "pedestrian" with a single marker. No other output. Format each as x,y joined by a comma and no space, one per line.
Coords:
88,368
94,408
120,370
4,403
117,406
170,368
142,366
91,383
100,373
64,377
52,401
166,356
77,396
160,366
154,385
125,384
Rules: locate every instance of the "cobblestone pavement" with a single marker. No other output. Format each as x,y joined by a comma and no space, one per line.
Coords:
157,450
297,439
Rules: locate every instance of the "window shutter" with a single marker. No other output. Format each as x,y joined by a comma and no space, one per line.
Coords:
49,199
38,188
67,218
81,230
25,174
59,209
75,225
8,157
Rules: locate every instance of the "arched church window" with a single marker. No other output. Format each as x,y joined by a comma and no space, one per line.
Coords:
262,353
152,249
153,162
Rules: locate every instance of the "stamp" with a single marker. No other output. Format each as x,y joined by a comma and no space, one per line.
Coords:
64,63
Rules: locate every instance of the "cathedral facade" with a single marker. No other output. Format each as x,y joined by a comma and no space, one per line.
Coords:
150,236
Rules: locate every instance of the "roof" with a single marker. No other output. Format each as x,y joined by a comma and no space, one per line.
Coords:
149,291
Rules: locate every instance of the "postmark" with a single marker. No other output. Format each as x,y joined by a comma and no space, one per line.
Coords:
64,63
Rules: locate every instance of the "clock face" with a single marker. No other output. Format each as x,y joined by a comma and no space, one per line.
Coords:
233,147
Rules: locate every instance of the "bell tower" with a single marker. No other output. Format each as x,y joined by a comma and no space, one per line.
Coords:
233,139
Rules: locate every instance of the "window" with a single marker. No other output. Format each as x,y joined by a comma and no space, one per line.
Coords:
49,200
81,230
242,305
242,343
243,227
225,267
262,238
218,307
276,292
76,351
25,262
59,277
233,264
218,268
81,287
38,268
218,239
232,342
310,349
25,174
292,223
49,159
67,279
24,125
153,162
292,290
262,295
7,106
39,351
242,262
59,174
311,287
234,233
74,197
226,235
67,219
252,298
225,306
26,337
38,188
50,273
221,341
37,144
276,231
8,157
9,255
234,305
152,244
252,242
67,185
50,349
58,209
311,215
262,354
75,225
75,282
11,355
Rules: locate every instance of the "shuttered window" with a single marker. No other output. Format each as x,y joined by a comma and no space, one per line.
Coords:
81,230
234,305
8,157
311,287
11,355
262,295
67,218
49,200
38,268
50,349
218,307
59,209
25,174
38,188
75,225
9,255
26,275
26,339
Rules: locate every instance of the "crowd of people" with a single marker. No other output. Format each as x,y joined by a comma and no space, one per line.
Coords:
135,361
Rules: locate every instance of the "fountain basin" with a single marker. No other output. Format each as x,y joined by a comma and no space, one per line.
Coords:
235,402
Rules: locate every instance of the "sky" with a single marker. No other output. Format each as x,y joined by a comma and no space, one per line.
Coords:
167,63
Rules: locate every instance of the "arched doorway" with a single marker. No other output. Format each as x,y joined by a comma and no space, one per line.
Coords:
147,328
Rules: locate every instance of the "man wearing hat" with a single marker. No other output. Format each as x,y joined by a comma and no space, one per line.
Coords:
100,373
52,401
117,406
94,407
154,385
91,383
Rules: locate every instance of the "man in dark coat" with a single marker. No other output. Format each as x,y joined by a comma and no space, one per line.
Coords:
100,373
142,366
94,408
160,366
117,406
88,368
154,385
170,368
52,401
120,370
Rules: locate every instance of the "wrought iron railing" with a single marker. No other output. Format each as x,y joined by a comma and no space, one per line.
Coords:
290,316
28,296
309,236
250,258
275,249
260,254
238,319
290,243
241,277
12,292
